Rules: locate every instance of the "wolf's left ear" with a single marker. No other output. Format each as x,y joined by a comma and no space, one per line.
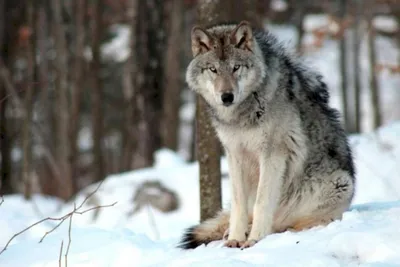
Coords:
201,41
242,36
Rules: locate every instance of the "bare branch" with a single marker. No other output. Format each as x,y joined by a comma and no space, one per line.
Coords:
61,220
69,240
1,200
59,257
52,230
96,208
89,196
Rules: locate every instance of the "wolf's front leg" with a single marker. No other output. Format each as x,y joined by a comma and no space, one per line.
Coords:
272,168
238,221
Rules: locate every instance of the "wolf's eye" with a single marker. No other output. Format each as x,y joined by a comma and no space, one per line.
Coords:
236,67
213,69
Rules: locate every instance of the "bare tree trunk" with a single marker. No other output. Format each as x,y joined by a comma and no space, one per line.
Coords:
207,144
77,86
299,10
374,86
343,67
150,79
97,93
7,45
5,181
43,68
61,108
173,77
129,85
356,66
27,136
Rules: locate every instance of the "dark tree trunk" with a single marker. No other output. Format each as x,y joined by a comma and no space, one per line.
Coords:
150,77
27,135
77,85
298,8
11,16
61,108
356,66
374,85
173,81
343,67
97,93
5,167
129,85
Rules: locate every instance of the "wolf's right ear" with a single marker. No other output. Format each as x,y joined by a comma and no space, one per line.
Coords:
201,41
242,36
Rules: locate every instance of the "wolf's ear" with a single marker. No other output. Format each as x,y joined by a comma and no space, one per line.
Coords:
201,41
242,36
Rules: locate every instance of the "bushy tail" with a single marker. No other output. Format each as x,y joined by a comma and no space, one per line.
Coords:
209,230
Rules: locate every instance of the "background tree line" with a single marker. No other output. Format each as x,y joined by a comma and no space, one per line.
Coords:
75,106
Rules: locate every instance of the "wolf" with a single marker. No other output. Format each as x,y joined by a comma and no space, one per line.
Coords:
290,164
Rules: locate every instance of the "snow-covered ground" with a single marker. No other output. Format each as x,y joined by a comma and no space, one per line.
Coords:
368,235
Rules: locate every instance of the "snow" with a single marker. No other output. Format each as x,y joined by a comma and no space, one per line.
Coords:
368,234
385,23
279,5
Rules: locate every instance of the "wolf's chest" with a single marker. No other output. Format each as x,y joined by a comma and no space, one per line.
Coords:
239,138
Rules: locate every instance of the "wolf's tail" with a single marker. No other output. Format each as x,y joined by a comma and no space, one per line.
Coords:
209,230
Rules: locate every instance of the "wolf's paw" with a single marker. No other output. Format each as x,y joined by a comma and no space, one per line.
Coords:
233,243
248,243
226,233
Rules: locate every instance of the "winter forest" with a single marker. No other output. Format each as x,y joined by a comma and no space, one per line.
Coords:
106,155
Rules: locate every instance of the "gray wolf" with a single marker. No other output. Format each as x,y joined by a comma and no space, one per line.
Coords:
289,161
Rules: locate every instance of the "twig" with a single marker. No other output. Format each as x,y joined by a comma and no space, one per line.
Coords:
61,219
2,199
69,241
52,230
59,257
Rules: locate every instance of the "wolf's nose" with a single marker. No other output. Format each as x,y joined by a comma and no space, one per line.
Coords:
227,99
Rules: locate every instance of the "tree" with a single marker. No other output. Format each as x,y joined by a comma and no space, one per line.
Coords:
373,82
343,65
77,84
173,82
129,88
5,144
97,93
11,18
61,108
207,145
150,77
356,65
27,136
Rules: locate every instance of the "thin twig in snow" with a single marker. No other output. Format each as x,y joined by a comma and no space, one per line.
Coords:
61,219
59,257
69,241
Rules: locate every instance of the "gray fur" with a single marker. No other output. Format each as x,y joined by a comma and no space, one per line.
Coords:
281,137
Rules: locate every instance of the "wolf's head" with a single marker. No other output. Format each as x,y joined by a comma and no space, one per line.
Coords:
227,64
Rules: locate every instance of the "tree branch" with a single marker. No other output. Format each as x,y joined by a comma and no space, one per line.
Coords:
61,219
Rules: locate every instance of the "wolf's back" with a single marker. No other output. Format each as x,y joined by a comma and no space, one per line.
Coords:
209,230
